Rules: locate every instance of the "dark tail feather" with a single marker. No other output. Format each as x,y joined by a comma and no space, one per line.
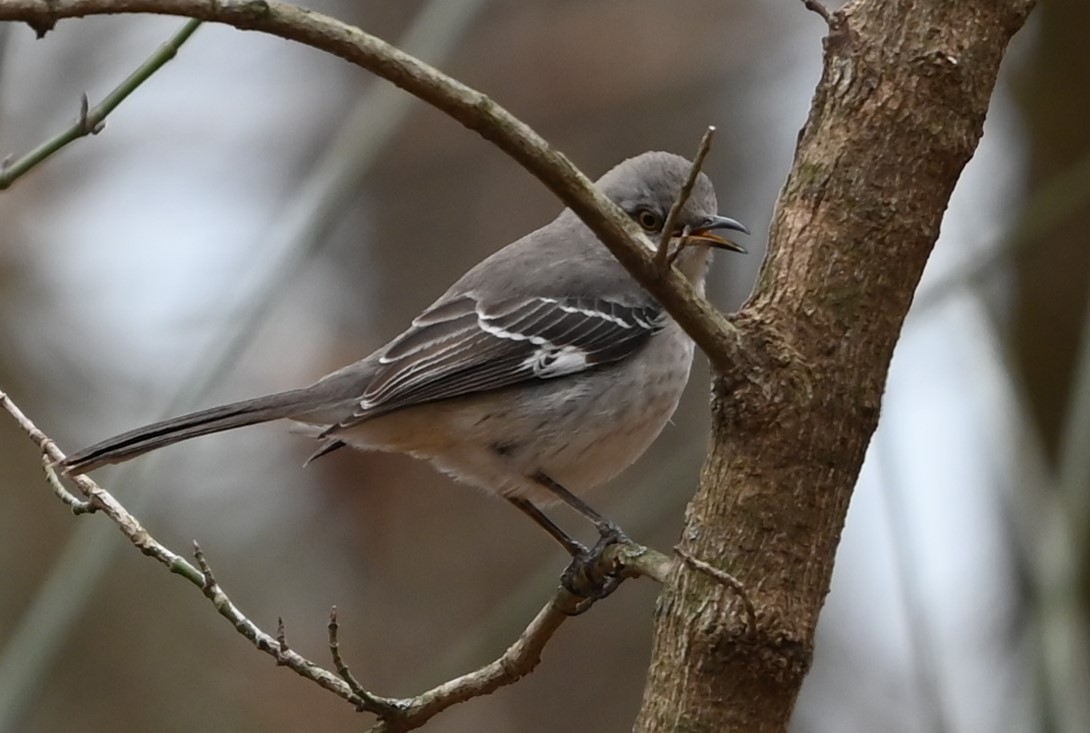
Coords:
128,445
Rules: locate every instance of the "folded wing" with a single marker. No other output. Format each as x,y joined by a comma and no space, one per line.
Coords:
463,346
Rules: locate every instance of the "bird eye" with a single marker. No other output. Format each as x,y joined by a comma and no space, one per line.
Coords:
649,220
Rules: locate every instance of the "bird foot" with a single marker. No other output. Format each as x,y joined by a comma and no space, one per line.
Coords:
589,576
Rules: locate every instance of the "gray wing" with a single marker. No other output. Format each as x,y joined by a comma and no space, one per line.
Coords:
462,346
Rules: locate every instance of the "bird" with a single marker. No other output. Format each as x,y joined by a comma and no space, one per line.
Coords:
541,373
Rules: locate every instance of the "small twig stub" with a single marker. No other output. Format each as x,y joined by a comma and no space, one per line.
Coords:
663,256
818,7
726,579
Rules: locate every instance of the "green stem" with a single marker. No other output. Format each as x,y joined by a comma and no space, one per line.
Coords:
92,120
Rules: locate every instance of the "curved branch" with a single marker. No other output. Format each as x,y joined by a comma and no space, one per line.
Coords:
712,332
624,559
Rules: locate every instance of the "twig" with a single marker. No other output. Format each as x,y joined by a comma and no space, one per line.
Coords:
480,114
200,576
384,707
515,663
662,259
396,714
78,506
91,121
281,636
726,579
634,560
817,7
682,243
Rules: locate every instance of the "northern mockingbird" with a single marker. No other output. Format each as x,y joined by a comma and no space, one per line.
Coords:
543,372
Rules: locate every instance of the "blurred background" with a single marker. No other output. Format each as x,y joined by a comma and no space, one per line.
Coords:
249,220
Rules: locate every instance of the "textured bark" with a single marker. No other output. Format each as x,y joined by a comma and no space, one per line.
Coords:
895,118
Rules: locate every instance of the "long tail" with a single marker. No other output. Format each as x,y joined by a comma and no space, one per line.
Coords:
136,442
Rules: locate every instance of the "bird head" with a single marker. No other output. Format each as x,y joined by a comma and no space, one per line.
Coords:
647,186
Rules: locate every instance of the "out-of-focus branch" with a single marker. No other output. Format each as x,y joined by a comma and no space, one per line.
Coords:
625,559
932,704
712,332
1062,552
92,120
1052,204
1048,522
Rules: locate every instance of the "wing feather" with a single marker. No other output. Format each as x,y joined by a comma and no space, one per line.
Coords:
463,346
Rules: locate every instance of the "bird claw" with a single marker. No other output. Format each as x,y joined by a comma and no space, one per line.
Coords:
589,577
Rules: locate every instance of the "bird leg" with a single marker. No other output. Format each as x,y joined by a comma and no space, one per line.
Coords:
586,576
606,528
574,547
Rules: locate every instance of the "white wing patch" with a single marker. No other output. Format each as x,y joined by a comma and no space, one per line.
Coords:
463,346
553,362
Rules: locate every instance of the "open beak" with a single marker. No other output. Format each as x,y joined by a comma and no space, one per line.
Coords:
712,223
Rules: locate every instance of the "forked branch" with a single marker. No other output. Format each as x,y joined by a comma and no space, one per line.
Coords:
395,714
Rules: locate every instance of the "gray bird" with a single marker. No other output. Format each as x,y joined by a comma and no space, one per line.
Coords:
543,372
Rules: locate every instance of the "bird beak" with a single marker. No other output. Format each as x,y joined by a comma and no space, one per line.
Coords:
704,234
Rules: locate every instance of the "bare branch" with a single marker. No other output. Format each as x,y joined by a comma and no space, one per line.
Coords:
625,559
725,578
384,708
202,577
92,121
662,255
515,663
282,635
712,332
633,560
78,506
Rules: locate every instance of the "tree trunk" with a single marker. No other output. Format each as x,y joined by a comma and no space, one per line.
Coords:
896,116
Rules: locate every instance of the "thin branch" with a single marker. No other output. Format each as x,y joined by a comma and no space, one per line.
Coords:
201,577
712,332
395,714
281,635
78,506
683,242
515,663
662,258
726,579
92,120
635,560
384,708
